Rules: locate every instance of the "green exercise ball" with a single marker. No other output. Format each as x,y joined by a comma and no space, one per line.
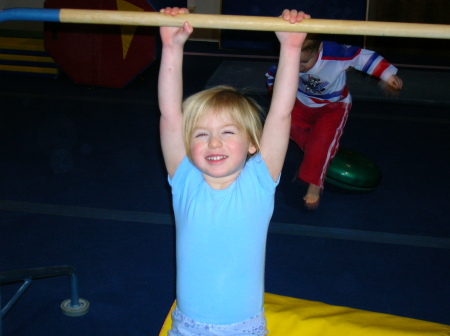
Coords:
353,171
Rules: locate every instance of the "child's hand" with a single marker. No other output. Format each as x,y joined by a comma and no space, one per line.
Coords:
292,38
175,35
391,86
394,82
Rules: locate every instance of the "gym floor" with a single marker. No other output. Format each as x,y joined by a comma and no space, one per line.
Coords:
83,184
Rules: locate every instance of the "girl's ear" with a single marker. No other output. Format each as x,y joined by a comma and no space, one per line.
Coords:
252,149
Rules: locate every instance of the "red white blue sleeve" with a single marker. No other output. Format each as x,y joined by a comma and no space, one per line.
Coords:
372,63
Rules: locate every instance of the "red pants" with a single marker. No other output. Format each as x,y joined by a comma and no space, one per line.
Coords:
317,132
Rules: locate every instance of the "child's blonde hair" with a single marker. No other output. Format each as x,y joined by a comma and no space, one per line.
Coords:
243,110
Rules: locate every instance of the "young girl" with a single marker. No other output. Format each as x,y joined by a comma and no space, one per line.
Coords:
223,169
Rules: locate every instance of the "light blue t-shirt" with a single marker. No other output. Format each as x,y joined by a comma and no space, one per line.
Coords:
221,241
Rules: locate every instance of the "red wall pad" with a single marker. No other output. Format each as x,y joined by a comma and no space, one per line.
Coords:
101,55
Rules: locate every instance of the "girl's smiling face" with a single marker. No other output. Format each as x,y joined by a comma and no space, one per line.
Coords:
219,149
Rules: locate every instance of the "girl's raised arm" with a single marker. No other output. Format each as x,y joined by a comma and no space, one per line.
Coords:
275,138
170,90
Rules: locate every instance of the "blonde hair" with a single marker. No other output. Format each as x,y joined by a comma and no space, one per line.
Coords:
243,110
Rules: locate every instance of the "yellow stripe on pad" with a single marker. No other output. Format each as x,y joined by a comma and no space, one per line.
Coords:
16,43
25,69
26,58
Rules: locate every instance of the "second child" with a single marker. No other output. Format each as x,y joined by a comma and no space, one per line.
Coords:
324,101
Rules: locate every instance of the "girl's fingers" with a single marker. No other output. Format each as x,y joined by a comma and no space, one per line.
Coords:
294,16
183,11
174,11
167,10
302,15
187,27
286,14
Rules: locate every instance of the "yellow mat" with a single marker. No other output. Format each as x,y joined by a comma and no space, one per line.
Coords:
288,316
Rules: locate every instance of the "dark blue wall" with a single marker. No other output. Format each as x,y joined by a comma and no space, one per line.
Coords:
158,4
266,41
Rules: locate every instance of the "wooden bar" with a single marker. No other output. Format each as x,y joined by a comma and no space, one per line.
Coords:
257,23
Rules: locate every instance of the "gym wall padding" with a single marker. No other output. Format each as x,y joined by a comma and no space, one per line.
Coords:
266,41
26,57
101,55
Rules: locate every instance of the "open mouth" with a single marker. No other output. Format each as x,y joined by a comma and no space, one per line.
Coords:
216,157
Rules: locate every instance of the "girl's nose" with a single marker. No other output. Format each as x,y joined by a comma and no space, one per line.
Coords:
215,142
